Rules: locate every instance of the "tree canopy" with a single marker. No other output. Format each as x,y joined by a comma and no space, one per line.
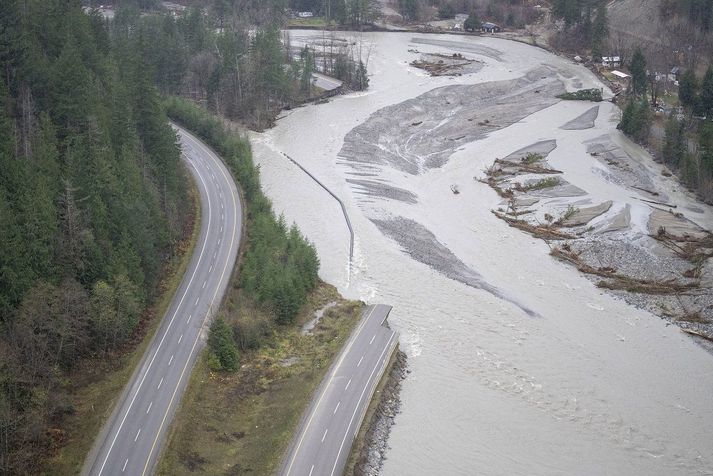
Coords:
92,203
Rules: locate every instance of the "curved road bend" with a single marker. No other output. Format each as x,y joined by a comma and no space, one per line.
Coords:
326,433
131,439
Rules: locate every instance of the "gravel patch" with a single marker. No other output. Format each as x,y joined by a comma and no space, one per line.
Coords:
585,121
422,133
475,48
373,188
621,168
419,243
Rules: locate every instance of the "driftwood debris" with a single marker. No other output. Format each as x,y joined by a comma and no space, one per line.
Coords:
615,281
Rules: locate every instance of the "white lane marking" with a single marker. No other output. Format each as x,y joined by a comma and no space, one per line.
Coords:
180,339
348,383
337,407
215,254
310,470
149,408
221,205
133,399
206,281
326,387
189,318
159,384
205,318
325,434
170,360
221,228
210,270
137,435
125,463
372,339
356,408
362,358
197,299
219,240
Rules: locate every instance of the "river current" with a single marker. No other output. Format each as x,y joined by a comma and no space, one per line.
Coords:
519,364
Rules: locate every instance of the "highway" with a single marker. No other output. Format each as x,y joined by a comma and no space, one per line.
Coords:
324,439
132,437
325,82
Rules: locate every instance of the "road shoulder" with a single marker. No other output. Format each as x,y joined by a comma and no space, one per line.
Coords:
245,421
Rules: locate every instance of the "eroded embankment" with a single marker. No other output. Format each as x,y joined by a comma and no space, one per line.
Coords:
371,446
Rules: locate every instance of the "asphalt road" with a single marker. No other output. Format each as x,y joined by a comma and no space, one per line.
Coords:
327,431
131,439
325,82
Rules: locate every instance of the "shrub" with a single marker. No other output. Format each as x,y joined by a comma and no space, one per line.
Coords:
223,352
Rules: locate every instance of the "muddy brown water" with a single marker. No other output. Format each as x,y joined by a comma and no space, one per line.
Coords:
519,364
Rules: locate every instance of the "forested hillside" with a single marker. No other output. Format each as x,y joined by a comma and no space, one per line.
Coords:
92,203
233,58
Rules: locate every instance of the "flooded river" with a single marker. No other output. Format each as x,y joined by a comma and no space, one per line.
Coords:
519,364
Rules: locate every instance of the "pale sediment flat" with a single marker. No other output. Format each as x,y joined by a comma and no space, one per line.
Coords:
593,386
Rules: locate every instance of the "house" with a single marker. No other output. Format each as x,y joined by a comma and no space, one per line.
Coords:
611,61
673,75
620,75
489,27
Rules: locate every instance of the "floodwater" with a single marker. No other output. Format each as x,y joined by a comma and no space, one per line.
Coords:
519,365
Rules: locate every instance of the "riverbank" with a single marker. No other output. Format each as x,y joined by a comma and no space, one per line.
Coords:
584,370
371,443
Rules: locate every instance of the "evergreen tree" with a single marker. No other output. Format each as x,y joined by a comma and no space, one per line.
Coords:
409,9
688,89
674,142
472,23
222,345
638,73
600,29
706,95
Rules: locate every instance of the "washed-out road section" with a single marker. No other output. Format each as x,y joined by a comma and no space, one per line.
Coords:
324,439
132,437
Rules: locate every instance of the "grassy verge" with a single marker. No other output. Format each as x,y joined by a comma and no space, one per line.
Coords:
307,22
242,423
98,385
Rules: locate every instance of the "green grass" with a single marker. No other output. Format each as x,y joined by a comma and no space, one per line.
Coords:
242,423
98,386
307,22
531,158
542,184
593,94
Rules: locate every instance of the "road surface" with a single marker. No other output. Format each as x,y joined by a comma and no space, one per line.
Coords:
325,82
324,439
131,439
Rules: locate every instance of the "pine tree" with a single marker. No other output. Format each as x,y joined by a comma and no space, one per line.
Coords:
706,95
687,89
222,345
638,73
600,29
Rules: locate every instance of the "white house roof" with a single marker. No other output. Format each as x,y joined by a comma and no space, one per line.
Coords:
619,74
